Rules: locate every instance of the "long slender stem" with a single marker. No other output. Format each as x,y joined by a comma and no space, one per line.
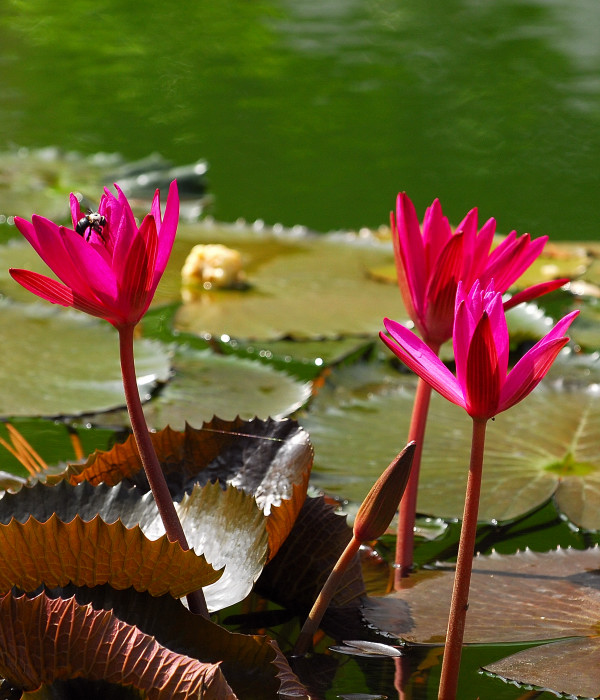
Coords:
464,566
408,506
154,473
315,616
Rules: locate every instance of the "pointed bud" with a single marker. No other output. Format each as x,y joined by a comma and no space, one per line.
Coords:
381,503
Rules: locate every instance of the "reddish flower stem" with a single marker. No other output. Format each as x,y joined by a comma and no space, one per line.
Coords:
304,642
408,505
464,566
154,472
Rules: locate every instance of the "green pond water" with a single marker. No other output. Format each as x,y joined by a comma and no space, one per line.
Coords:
317,112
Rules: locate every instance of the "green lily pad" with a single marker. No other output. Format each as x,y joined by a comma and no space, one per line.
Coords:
57,362
546,446
204,385
303,286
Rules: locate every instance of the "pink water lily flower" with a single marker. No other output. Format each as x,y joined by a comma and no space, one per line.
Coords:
482,385
109,268
431,260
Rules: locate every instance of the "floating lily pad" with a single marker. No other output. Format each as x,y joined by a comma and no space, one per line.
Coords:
521,597
40,180
566,667
547,445
204,385
304,286
57,362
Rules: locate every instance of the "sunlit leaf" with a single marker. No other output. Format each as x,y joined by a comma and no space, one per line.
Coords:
569,667
89,549
268,460
548,445
204,385
226,525
520,597
44,640
56,362
299,285
88,553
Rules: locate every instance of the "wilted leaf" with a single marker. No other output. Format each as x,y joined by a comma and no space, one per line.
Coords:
269,460
56,362
547,445
520,597
44,640
89,553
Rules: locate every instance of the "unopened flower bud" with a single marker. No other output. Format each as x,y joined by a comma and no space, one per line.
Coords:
381,503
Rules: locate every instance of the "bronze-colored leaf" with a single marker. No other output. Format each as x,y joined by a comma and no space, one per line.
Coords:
570,667
249,663
43,640
296,575
270,460
89,553
226,524
521,597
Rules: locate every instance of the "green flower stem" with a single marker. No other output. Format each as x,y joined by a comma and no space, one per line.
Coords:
304,642
408,506
464,565
154,473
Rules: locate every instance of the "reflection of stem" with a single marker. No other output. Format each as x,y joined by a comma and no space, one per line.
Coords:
318,610
154,473
408,506
464,565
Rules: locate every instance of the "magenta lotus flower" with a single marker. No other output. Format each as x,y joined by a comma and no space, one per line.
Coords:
109,267
430,263
482,385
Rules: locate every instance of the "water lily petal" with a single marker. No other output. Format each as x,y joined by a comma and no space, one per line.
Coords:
535,291
418,357
482,376
436,234
410,254
114,272
138,273
441,290
166,230
55,292
533,366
